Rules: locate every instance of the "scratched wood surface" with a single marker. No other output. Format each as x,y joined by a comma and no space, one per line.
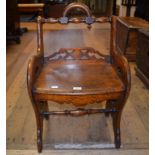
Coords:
87,130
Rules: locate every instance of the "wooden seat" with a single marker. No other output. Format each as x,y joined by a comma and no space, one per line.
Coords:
79,76
91,77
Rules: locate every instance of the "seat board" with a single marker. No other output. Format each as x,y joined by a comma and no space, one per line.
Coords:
78,76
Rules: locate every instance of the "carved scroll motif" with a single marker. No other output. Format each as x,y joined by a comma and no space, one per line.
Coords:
77,54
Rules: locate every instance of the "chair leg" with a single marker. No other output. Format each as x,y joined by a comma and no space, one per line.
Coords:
39,133
47,109
107,107
116,126
39,121
116,116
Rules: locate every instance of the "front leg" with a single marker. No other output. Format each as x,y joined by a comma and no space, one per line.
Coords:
116,127
116,117
34,67
39,119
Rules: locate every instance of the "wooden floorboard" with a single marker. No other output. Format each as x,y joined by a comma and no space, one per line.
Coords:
86,130
18,54
80,152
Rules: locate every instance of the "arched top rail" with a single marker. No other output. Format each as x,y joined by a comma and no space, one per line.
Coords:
76,20
75,6
89,19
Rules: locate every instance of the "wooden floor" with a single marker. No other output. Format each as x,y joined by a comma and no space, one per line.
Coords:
80,152
61,132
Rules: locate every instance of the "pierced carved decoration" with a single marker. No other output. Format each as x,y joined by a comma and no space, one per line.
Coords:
77,54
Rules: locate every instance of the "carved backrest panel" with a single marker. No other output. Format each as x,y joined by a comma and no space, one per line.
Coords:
77,54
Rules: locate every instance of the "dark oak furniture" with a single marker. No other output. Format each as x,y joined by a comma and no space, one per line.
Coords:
32,7
142,56
127,35
55,8
78,76
26,1
142,9
12,22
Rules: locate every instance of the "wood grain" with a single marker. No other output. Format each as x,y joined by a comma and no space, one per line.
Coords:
80,152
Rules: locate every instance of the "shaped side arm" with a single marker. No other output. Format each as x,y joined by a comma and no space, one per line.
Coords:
119,61
122,68
34,66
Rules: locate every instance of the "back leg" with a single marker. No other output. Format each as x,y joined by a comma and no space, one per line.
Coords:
109,106
44,108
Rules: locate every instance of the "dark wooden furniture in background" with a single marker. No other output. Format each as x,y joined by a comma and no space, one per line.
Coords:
142,9
12,21
142,56
79,76
32,7
127,35
55,8
30,1
128,4
25,1
114,7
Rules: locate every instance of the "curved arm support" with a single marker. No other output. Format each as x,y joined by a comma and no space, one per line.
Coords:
34,67
123,69
120,62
